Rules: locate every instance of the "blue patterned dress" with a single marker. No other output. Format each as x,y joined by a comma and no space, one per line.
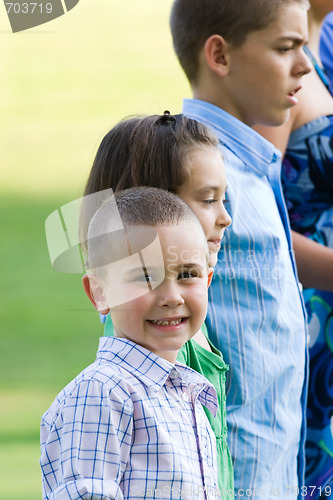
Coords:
308,186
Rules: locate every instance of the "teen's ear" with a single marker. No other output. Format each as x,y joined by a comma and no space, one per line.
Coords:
210,276
216,54
95,293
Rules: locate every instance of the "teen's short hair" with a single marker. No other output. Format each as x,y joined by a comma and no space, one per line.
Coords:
146,151
115,230
192,22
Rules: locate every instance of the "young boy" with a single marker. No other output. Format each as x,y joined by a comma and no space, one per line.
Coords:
131,425
245,61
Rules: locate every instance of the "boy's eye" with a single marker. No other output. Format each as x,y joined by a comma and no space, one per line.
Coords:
284,49
187,274
143,278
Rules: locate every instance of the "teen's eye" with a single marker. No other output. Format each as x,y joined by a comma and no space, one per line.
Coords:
283,50
210,201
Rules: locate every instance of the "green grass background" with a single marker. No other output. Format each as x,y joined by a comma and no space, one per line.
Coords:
63,85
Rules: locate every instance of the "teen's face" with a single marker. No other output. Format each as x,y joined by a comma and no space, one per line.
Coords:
204,192
265,72
166,317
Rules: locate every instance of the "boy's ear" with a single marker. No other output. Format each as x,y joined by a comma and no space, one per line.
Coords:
95,293
216,54
210,276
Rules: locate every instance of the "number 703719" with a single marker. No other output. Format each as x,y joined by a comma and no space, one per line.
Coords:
28,8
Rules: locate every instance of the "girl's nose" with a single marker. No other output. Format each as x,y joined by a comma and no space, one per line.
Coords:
224,219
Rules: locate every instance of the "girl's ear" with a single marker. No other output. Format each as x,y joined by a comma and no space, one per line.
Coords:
95,293
210,276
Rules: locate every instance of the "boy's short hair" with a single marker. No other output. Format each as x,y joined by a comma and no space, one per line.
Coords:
192,22
125,223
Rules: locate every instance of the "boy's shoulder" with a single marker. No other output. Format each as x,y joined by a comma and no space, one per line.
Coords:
121,370
95,383
123,375
236,138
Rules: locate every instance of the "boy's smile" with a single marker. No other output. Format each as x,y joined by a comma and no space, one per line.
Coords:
166,323
164,318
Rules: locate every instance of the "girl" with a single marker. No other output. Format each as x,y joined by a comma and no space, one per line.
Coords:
180,155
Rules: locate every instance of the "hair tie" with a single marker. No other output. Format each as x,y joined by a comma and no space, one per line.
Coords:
166,118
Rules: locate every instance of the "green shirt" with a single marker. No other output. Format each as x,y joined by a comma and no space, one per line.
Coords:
210,365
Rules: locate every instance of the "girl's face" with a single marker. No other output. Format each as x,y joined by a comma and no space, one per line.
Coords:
204,192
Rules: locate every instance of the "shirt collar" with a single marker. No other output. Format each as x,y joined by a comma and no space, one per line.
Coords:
245,142
152,370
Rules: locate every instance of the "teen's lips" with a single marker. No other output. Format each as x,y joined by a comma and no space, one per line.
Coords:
291,96
173,323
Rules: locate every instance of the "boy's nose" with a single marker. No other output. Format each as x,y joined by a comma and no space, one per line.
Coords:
170,294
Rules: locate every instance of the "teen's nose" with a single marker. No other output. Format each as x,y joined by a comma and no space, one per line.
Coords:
170,293
303,65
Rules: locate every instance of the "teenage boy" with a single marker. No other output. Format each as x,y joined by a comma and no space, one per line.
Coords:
131,425
245,62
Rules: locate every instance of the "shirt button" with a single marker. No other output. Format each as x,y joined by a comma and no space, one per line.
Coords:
300,286
185,397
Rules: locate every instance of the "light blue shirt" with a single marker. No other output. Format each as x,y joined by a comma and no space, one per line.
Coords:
130,426
256,315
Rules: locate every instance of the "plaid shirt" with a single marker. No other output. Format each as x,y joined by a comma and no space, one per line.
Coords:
130,426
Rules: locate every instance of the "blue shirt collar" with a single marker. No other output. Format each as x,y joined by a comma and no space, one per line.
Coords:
243,140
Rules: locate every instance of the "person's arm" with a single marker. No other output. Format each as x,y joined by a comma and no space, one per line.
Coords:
85,448
314,263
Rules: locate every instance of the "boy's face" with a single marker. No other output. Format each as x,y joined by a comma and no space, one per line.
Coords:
204,192
265,71
163,319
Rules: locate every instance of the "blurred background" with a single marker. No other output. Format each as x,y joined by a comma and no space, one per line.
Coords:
63,85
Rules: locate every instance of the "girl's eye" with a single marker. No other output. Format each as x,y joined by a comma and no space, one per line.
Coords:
210,201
